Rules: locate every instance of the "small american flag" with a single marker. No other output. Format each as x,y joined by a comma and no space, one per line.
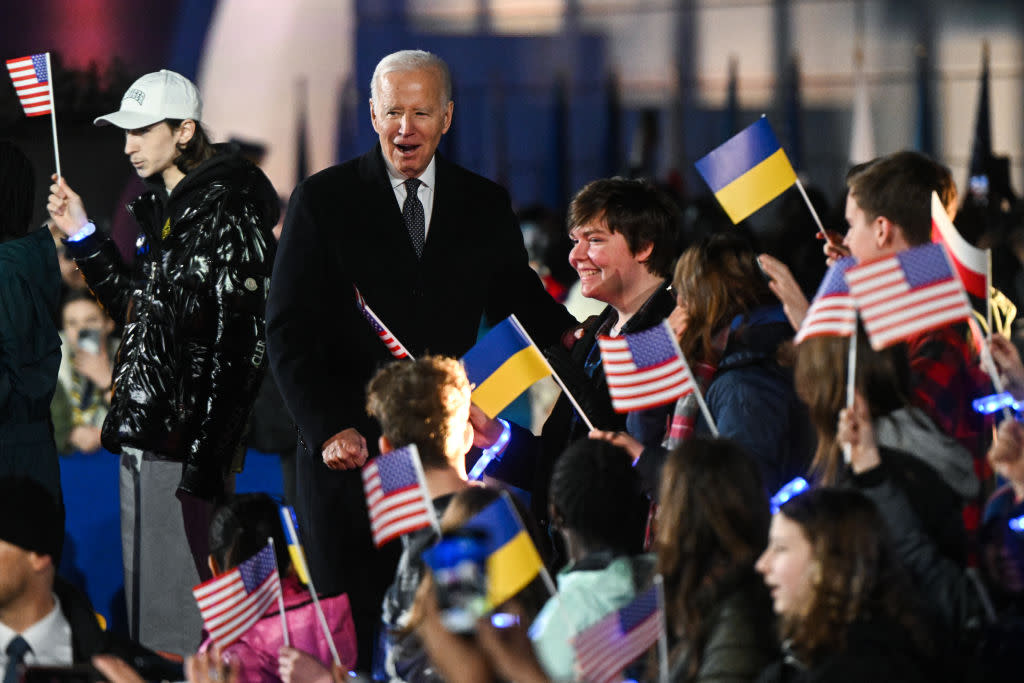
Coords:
231,603
396,495
832,312
644,369
604,649
394,346
32,83
908,293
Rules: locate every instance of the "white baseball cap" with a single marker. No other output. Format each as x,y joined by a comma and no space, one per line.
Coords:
153,98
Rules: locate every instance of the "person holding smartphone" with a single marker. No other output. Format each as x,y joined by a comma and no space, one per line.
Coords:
85,377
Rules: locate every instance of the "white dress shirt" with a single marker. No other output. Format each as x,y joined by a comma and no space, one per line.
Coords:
425,192
49,638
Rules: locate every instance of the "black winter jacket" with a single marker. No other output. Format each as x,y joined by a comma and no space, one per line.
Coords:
192,354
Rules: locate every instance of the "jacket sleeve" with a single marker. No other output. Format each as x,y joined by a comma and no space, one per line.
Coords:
105,272
956,599
223,344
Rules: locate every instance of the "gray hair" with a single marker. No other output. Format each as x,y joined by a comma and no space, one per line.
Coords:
412,60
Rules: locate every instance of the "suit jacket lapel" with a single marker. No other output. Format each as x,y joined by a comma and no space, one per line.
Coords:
389,220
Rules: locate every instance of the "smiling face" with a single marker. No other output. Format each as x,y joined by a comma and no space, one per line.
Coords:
410,117
153,149
608,270
787,565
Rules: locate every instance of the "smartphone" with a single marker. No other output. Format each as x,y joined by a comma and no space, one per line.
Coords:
89,340
458,563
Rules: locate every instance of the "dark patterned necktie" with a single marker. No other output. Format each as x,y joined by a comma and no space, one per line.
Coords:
16,650
412,212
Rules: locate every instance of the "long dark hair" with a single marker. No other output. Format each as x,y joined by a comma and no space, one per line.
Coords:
712,524
194,152
240,527
716,280
855,576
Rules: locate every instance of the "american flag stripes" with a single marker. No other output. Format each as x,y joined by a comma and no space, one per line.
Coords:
31,79
607,647
390,341
396,495
644,369
231,603
908,293
832,312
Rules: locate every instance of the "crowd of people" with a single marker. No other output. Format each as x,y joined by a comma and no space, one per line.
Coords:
903,560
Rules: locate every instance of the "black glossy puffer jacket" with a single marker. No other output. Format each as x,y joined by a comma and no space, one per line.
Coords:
192,355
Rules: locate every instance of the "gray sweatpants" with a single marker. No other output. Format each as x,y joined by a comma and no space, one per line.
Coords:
164,548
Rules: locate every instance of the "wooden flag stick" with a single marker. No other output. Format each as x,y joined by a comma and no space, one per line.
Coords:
299,557
663,672
53,115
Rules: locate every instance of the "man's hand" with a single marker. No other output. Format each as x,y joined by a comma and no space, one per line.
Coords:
295,666
784,286
856,431
65,207
85,438
621,439
1008,363
95,366
346,450
486,430
834,248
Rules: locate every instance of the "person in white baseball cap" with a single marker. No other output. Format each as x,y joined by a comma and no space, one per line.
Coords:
193,353
154,98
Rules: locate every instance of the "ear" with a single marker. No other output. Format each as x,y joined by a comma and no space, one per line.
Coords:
883,232
186,130
39,562
644,253
384,445
447,117
373,116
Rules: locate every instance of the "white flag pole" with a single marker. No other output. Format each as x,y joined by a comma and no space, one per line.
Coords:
298,557
696,386
280,595
659,584
422,478
851,384
817,219
53,115
568,394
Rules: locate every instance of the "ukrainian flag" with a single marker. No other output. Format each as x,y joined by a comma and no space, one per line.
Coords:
748,170
512,559
503,365
295,550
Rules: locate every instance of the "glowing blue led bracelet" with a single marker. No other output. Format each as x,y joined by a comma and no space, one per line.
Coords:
492,453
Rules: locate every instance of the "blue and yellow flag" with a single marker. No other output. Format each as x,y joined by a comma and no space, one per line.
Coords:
295,550
512,559
503,365
748,170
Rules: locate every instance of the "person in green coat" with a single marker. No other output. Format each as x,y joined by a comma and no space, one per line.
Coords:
29,339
